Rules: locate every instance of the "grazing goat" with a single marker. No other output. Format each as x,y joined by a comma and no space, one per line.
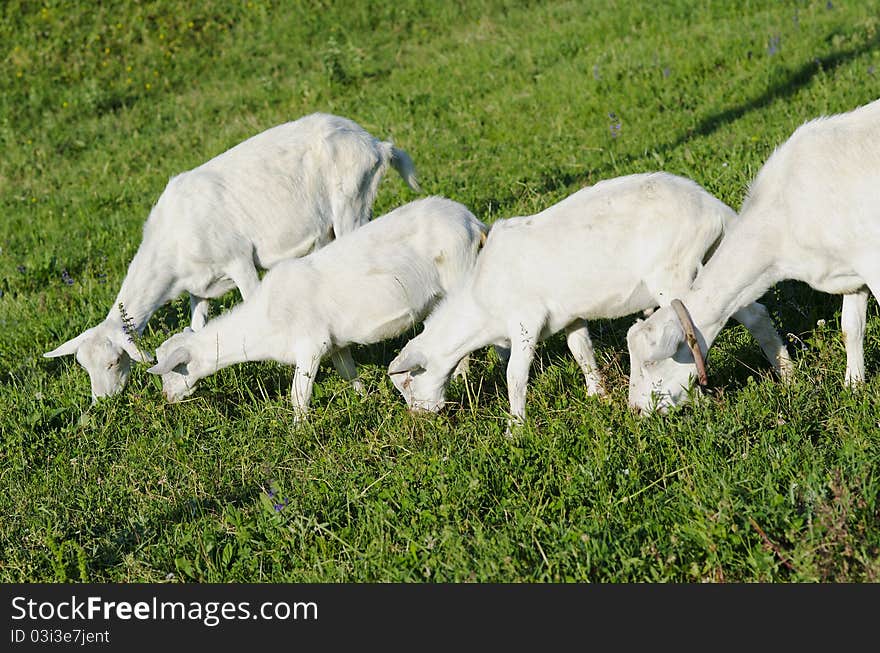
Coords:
812,214
368,286
621,246
282,193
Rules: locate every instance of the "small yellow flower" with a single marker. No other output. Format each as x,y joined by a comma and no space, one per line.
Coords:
128,69
106,50
147,86
18,74
64,104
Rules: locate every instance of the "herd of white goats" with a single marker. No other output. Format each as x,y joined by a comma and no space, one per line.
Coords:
296,200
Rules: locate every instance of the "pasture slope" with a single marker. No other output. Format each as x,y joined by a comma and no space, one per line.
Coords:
507,107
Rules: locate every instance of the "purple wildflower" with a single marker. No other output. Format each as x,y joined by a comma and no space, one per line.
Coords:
21,269
773,45
66,278
271,489
614,127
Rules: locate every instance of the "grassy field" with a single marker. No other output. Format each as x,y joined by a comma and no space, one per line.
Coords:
507,107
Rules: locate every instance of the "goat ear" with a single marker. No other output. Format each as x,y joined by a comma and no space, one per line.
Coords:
636,340
655,339
669,339
136,354
411,361
177,357
121,340
69,347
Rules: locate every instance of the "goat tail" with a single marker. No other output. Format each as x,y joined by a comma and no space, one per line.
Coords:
405,168
723,217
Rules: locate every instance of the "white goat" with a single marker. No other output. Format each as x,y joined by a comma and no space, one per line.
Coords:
812,214
368,286
624,245
282,193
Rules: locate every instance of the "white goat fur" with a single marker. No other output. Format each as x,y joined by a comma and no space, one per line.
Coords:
282,193
812,214
370,285
621,246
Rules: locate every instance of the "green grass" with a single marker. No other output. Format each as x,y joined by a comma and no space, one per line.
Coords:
505,107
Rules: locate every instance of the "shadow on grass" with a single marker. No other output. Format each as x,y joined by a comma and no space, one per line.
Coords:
795,80
120,539
553,180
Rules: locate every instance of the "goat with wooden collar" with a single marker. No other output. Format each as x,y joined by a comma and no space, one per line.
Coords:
812,214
